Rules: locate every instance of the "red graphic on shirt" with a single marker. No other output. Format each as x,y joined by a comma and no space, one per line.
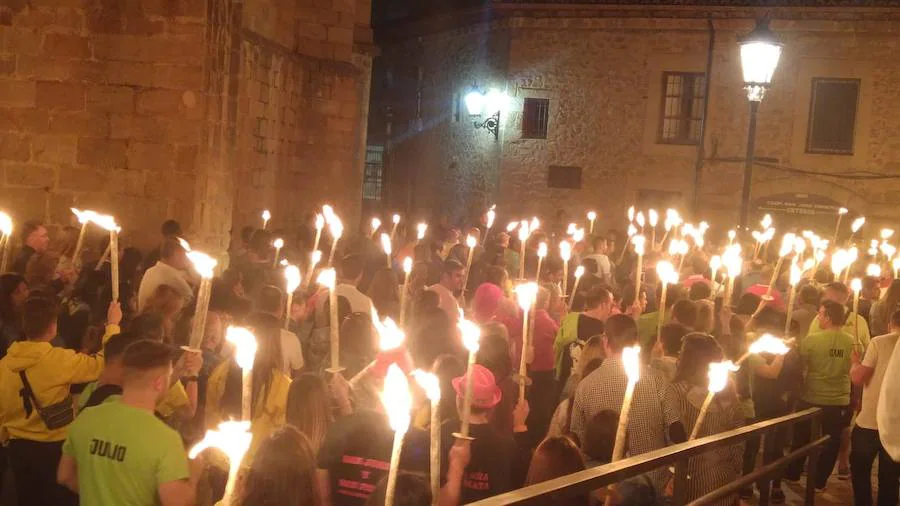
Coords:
477,481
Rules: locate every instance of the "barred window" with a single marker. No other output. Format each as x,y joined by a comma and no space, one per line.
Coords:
681,115
374,173
832,116
535,118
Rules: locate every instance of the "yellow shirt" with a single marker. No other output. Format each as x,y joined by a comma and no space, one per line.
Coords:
51,372
176,397
268,414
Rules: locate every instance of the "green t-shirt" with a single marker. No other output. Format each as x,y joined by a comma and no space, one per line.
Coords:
86,394
826,357
123,455
850,327
647,325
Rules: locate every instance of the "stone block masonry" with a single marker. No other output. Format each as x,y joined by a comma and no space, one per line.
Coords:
204,112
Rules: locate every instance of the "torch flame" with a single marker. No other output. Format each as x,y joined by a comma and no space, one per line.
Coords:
666,272
873,270
523,231
896,264
316,257
535,224
407,265
106,222
336,227
578,236
6,224
887,233
591,215
292,277
395,219
631,230
542,250
184,244
491,216
640,219
320,221
471,334
245,345
376,224
766,221
471,241
631,360
326,278
526,293
856,284
328,212
842,210
386,244
787,245
512,226
767,343
278,243
797,272
631,214
565,250
732,234
233,438
396,399
638,242
653,216
718,375
715,263
579,271
421,228
390,337
429,383
266,215
857,224
203,263
83,216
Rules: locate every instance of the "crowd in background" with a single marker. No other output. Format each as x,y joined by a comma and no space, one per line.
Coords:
99,399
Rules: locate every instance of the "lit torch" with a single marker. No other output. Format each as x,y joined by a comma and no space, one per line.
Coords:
278,243
718,379
397,402
471,336
526,294
328,279
432,387
387,247
245,353
233,439
292,281
205,266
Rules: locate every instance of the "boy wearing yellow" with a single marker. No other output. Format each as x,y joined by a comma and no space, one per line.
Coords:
35,404
119,453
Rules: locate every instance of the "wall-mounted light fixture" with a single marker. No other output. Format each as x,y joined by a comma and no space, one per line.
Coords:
477,103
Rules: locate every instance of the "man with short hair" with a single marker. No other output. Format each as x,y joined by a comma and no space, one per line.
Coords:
670,337
865,442
601,256
451,283
169,270
655,420
685,312
349,274
108,386
270,302
826,358
35,239
170,229
119,452
576,328
838,292
35,403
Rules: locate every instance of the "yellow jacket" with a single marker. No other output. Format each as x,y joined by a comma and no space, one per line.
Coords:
268,414
51,371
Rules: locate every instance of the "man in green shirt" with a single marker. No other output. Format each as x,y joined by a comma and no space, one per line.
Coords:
118,453
854,324
826,359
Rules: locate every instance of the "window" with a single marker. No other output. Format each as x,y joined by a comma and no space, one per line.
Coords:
568,178
374,173
681,117
535,116
832,116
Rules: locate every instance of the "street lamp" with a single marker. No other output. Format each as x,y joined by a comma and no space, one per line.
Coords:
760,52
477,102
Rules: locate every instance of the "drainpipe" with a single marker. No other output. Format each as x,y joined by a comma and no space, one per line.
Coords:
698,164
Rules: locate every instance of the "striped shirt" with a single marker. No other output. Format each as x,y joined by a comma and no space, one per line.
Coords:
653,408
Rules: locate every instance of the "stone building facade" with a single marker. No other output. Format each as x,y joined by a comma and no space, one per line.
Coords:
587,84
206,111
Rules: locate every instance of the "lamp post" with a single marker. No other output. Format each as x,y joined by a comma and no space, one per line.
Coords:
760,52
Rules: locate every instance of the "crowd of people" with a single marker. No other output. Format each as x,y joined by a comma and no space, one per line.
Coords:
100,399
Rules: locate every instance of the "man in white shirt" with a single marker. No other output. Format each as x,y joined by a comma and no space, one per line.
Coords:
600,255
865,444
451,283
271,301
170,270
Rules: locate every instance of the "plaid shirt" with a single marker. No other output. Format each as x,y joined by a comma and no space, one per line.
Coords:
653,408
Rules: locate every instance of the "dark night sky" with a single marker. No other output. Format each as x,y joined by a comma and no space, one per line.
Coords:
392,10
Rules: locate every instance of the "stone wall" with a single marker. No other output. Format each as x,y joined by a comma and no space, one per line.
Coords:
202,111
602,72
100,107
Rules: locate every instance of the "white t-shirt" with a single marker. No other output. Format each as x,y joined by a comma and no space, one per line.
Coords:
359,302
889,408
604,266
447,301
877,357
163,274
291,352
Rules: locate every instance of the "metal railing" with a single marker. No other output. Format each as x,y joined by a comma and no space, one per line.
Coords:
551,491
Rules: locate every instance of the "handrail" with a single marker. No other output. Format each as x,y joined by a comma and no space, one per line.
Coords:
759,473
601,476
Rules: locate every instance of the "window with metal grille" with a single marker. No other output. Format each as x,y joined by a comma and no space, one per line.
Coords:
832,116
374,173
565,177
535,118
681,115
